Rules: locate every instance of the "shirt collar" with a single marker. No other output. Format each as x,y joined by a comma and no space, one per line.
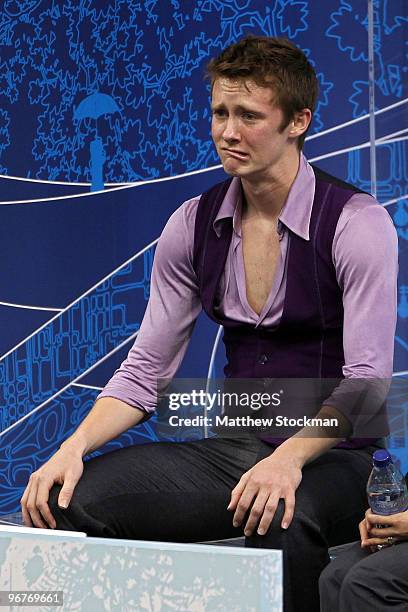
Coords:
230,206
296,212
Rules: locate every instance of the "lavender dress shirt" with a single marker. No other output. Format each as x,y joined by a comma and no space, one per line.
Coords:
365,257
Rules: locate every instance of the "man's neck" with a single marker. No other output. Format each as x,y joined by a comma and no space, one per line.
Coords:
266,197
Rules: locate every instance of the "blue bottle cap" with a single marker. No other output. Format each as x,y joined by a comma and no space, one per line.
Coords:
381,458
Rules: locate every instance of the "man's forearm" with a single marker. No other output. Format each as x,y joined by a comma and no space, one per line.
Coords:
108,418
311,442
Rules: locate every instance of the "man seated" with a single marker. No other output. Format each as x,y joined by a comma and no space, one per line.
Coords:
365,579
300,269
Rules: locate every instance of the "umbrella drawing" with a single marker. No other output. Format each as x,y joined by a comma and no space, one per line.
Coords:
93,107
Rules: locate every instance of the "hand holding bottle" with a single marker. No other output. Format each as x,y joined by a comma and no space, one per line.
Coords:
387,519
391,529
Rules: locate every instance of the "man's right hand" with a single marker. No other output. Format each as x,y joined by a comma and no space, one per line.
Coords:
64,468
108,418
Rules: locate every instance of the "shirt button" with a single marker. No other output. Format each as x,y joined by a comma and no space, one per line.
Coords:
262,359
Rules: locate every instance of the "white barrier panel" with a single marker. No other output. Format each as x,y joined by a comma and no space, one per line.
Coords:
96,574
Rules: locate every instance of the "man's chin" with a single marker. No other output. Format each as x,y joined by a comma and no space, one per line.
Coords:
234,170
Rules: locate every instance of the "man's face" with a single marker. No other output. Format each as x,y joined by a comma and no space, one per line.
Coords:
247,129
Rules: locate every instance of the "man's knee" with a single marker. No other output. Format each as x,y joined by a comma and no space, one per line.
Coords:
59,514
357,589
300,530
330,582
74,517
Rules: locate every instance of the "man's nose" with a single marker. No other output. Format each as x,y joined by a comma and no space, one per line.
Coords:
231,131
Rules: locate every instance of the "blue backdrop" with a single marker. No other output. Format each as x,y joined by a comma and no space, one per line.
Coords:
104,131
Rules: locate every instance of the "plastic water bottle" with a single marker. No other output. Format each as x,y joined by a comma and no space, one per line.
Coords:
386,487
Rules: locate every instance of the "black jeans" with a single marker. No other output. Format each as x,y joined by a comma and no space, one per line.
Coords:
360,581
180,491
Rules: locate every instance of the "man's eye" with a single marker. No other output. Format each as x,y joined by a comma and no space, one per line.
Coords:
248,116
218,113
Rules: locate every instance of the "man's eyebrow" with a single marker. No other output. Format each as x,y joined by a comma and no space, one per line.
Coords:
220,105
240,108
248,109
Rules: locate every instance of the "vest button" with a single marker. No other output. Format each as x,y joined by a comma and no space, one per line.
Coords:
262,359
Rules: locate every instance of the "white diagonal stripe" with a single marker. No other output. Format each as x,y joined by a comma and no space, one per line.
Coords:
25,306
364,145
86,387
146,248
392,135
71,383
107,191
352,121
394,200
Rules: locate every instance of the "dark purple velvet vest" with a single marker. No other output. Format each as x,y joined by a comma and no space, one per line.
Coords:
308,342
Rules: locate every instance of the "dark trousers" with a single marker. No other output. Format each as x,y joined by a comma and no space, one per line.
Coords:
180,491
359,581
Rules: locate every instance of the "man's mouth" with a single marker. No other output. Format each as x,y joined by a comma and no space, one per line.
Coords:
236,154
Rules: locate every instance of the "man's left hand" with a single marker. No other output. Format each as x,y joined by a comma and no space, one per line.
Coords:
274,478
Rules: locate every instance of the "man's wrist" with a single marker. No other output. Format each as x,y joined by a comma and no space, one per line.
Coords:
311,442
291,453
77,444
302,450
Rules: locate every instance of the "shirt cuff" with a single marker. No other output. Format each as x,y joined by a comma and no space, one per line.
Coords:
363,403
124,397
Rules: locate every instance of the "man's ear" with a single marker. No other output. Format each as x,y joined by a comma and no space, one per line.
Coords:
300,122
